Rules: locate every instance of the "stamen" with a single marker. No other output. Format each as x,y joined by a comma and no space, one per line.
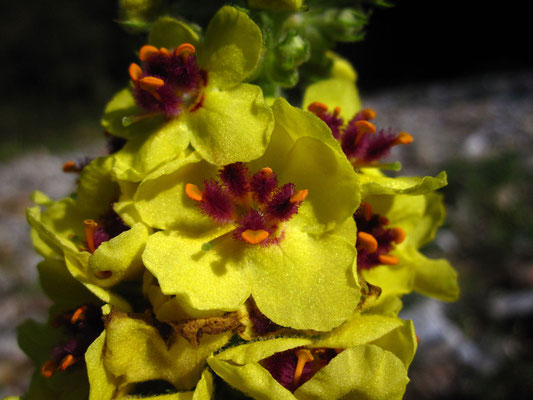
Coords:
135,72
383,220
317,108
70,166
90,227
266,172
388,260
367,242
165,51
48,369
362,128
254,236
336,111
304,356
79,315
399,235
403,138
151,83
299,196
147,51
193,192
368,113
367,209
66,362
185,50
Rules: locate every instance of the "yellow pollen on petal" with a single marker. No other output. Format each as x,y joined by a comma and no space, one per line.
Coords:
403,138
147,51
135,72
48,369
388,260
193,192
368,113
70,166
78,315
299,196
304,356
367,242
317,108
254,236
151,83
185,50
399,235
66,362
90,227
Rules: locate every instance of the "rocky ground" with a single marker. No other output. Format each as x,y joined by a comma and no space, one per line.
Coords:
471,119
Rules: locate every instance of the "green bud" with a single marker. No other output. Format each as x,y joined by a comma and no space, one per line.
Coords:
135,15
292,52
345,25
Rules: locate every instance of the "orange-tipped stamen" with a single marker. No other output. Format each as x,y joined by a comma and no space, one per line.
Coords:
165,51
304,356
317,108
147,51
48,369
90,227
135,72
362,128
336,111
403,138
193,192
78,315
383,220
367,209
254,236
185,50
299,196
151,83
388,260
266,172
368,114
367,242
70,166
399,235
66,362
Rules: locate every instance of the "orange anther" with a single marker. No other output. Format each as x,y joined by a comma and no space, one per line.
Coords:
304,356
78,315
367,209
399,234
368,114
147,51
193,192
48,369
365,127
254,236
90,227
135,72
337,111
66,362
388,260
367,242
70,166
165,51
317,108
185,49
151,83
266,172
403,138
299,196
383,220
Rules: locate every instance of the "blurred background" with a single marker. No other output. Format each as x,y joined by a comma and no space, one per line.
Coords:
460,80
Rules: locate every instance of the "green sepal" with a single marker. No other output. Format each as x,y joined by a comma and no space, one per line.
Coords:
232,47
170,33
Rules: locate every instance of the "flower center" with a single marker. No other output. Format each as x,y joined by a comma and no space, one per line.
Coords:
82,326
255,204
374,239
293,367
362,143
167,82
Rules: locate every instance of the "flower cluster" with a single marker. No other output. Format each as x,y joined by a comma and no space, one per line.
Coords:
233,240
